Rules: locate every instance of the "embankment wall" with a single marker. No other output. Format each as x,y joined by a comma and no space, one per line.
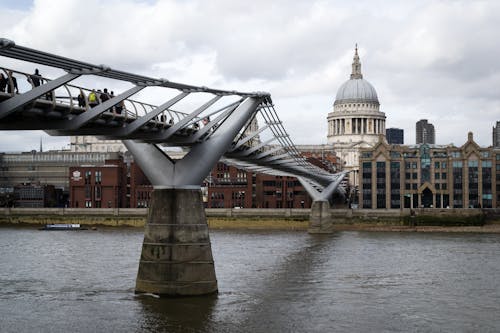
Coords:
137,216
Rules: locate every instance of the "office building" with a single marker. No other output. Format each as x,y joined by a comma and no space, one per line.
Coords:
394,136
424,175
425,132
496,135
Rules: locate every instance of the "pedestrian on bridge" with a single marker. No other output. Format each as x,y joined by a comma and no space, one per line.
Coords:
35,78
12,86
104,95
93,101
81,99
3,82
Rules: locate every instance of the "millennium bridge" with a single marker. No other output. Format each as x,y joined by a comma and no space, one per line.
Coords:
239,128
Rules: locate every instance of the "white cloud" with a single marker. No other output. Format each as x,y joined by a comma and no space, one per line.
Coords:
427,59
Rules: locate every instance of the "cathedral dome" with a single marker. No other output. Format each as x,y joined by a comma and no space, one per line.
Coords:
356,89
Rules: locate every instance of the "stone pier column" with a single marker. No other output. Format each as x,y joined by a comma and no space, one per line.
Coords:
176,258
320,220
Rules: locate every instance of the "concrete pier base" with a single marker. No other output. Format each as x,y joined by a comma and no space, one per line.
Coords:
320,220
176,258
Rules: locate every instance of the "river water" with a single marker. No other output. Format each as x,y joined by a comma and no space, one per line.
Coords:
83,281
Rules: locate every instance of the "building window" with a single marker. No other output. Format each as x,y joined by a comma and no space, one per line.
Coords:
381,185
88,175
486,164
425,164
395,154
457,184
88,192
367,184
366,154
485,154
473,163
487,180
473,175
98,177
395,185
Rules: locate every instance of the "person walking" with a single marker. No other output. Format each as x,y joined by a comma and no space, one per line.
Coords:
81,99
93,100
3,82
104,96
12,87
35,78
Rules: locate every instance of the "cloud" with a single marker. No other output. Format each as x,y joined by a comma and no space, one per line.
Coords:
426,59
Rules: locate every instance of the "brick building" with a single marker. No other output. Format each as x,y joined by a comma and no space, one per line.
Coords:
230,187
116,184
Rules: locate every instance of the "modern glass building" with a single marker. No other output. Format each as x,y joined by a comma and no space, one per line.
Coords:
394,136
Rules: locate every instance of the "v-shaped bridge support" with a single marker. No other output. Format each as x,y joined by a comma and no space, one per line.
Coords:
320,220
176,258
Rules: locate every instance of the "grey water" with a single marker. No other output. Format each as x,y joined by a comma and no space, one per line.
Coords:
83,281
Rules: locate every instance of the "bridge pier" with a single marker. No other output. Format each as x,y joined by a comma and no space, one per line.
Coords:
176,258
320,220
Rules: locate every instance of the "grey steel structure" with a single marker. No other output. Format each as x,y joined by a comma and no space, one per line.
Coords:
176,229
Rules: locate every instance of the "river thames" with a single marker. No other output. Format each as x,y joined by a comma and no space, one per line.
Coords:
83,281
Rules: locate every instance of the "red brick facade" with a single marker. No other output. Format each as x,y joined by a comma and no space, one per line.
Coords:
113,185
230,187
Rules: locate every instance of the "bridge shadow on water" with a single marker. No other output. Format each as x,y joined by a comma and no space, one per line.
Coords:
285,302
271,297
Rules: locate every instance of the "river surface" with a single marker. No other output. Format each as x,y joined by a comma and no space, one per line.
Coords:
83,281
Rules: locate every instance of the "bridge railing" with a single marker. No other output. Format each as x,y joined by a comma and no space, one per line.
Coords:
67,96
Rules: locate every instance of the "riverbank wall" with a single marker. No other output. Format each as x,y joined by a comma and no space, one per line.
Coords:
295,219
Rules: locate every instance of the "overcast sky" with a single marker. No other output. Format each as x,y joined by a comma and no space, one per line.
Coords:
435,60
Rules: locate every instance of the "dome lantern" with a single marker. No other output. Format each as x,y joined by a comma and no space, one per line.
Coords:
356,65
356,89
